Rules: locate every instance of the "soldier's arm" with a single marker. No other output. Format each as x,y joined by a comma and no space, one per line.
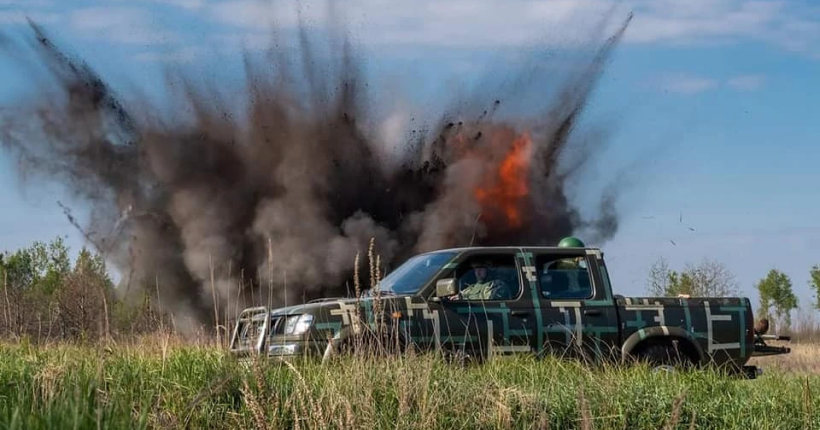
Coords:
500,290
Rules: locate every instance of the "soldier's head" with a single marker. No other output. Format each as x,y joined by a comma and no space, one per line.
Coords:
573,242
480,268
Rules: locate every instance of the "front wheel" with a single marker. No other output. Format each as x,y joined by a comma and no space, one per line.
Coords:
368,344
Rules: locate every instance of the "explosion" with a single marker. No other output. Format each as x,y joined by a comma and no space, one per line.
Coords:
507,186
217,206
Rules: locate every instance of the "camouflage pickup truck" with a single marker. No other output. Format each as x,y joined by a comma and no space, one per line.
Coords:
481,302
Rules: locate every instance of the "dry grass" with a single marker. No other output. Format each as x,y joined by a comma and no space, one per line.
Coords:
803,359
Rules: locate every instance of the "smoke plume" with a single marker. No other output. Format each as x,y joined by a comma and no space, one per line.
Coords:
222,201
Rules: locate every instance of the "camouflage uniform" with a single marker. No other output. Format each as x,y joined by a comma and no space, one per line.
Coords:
487,290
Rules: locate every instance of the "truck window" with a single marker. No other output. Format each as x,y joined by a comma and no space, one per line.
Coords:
561,277
489,277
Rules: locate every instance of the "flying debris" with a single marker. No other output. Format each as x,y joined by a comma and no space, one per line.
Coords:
211,204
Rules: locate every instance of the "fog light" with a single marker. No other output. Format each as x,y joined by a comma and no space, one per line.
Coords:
282,349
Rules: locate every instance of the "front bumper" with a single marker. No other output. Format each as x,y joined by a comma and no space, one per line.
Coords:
286,347
295,348
767,350
762,349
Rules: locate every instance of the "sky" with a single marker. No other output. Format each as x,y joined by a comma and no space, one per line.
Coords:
712,100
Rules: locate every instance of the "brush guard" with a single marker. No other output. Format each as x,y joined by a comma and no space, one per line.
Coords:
250,330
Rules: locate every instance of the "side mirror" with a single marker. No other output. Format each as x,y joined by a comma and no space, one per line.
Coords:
446,287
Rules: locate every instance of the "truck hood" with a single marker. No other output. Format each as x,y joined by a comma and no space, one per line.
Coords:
327,303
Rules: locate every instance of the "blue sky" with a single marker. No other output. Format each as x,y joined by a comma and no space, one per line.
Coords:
717,98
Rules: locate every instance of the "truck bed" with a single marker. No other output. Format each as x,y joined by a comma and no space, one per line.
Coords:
722,329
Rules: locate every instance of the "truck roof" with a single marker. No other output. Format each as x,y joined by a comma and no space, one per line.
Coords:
512,248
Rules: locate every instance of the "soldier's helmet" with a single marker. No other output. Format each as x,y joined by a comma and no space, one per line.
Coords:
571,242
485,264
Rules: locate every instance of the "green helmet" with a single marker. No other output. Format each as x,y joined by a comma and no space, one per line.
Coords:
571,242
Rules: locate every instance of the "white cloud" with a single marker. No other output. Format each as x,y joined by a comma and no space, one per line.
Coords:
183,55
121,25
28,3
185,4
746,82
455,23
250,14
702,21
13,12
251,41
688,84
9,17
489,23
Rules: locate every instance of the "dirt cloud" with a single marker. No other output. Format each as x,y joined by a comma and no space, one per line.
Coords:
281,193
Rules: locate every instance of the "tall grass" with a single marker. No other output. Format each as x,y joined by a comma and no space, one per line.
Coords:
172,385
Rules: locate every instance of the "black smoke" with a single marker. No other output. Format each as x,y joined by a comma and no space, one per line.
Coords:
281,191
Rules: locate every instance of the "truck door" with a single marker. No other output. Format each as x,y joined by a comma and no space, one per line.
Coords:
579,318
493,312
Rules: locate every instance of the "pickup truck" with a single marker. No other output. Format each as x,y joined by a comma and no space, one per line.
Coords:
536,300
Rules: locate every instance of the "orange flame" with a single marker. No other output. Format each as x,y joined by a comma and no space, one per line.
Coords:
507,187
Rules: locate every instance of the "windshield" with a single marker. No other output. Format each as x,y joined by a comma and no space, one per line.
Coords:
414,273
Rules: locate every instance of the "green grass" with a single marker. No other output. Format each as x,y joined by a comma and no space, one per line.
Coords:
198,387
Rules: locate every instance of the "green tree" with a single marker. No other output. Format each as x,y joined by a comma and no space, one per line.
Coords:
32,282
814,282
51,264
776,295
19,270
40,267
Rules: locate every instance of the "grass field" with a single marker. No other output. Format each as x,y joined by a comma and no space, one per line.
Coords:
157,385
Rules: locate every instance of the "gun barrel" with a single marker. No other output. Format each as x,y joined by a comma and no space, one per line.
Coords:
775,337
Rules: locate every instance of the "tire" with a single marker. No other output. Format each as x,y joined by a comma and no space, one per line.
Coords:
664,356
464,357
368,344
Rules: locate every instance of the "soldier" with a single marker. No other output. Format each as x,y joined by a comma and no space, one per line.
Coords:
484,288
573,267
571,263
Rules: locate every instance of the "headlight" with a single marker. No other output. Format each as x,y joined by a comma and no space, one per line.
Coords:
298,324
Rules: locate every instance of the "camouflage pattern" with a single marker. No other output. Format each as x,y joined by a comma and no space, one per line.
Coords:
559,301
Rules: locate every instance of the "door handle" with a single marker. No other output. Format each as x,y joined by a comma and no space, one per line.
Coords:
519,313
592,312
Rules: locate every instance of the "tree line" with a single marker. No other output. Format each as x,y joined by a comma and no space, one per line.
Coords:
710,278
46,296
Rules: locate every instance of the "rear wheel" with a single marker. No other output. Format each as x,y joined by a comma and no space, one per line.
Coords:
462,356
665,355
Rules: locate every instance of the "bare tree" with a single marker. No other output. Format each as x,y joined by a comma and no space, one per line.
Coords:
709,278
658,281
